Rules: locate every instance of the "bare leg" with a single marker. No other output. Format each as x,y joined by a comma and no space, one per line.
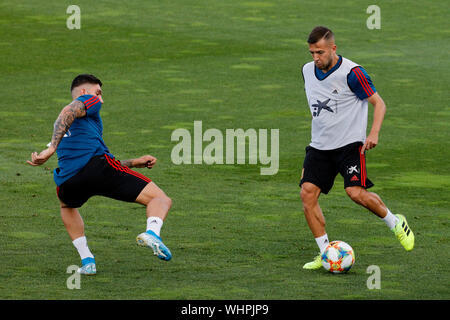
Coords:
157,202
75,228
72,221
158,205
368,200
313,213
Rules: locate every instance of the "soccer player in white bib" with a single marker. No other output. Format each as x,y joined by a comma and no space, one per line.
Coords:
338,92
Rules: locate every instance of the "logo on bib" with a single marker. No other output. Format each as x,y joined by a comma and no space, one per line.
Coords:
321,105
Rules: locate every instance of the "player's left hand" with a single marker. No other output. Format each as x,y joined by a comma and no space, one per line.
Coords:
144,162
371,142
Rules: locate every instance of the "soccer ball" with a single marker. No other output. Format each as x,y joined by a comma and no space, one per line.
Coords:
338,257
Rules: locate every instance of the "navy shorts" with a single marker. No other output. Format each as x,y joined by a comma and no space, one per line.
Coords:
102,176
321,167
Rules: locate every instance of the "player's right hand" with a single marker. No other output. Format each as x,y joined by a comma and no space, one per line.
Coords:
38,159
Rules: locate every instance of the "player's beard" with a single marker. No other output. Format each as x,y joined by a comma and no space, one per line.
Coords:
326,67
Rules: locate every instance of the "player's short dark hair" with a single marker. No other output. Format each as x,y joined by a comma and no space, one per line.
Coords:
319,33
85,78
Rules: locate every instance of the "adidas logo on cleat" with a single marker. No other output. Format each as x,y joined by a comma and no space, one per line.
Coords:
405,228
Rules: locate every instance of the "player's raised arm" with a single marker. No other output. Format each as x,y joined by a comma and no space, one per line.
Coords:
69,113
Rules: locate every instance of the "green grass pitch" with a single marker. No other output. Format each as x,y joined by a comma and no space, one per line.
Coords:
234,233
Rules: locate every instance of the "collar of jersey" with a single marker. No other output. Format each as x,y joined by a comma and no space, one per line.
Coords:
320,75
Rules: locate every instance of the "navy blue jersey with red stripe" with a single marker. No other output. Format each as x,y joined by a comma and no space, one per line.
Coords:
83,140
360,83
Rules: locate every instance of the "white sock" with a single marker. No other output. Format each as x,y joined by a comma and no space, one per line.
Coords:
390,219
154,224
322,242
83,250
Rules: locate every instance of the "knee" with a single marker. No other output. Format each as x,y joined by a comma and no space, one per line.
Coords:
162,200
167,201
308,196
153,195
356,194
304,195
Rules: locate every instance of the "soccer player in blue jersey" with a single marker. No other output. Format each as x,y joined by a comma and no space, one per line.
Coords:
87,168
338,91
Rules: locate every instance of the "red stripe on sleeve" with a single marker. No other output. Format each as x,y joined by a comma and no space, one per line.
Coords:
361,83
364,79
88,100
92,103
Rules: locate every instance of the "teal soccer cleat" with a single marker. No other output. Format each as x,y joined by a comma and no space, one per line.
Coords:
151,240
88,267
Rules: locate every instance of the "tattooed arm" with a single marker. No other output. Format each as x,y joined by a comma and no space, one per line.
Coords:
69,113
127,163
65,119
142,162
